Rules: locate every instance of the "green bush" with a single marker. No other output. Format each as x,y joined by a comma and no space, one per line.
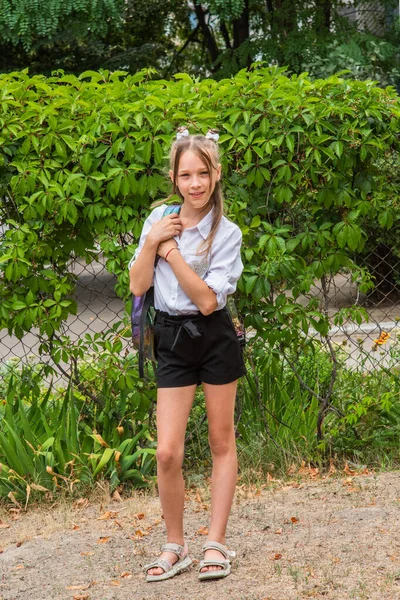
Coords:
81,159
280,400
65,437
305,172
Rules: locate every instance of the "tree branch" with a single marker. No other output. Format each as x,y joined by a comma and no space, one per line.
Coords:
178,52
225,34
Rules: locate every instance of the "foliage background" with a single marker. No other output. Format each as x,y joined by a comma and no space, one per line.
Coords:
308,175
311,176
215,38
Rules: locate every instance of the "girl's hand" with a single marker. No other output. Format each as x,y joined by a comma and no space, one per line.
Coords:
165,229
165,247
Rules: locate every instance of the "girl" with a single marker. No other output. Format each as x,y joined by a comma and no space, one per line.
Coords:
195,341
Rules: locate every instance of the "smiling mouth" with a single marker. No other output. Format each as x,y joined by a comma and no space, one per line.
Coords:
196,195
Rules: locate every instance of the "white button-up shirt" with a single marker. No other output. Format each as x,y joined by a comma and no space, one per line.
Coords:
220,269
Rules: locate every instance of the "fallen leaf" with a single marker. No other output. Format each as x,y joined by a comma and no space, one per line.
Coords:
78,587
115,582
126,574
139,516
81,503
307,471
87,553
18,544
292,484
202,531
332,468
110,514
13,499
294,520
348,481
116,496
353,489
103,540
278,531
17,567
348,470
39,488
75,526
139,533
81,597
277,556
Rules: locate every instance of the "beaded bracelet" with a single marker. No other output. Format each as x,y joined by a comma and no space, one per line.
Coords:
170,250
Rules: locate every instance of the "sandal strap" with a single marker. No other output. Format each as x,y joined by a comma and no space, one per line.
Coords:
174,548
213,563
220,547
161,563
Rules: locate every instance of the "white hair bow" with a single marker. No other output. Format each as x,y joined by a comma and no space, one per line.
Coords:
182,132
212,134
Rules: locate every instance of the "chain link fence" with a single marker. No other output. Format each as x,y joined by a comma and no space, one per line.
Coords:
287,406
99,308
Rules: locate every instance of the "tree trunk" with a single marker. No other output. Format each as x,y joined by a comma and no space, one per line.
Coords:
211,44
271,13
285,17
241,27
323,12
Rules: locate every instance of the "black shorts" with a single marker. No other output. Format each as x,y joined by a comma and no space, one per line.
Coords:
192,349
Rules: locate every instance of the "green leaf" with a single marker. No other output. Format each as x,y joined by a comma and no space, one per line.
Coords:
250,283
104,460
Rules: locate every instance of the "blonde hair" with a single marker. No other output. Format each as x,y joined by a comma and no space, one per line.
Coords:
207,150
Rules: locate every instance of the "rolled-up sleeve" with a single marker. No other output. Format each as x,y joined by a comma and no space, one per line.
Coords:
225,265
148,224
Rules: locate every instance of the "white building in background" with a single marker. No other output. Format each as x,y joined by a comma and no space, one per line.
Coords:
371,16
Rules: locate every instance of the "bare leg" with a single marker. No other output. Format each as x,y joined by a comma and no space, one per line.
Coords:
173,408
220,403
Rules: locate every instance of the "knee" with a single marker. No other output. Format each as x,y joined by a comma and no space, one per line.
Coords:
169,459
222,445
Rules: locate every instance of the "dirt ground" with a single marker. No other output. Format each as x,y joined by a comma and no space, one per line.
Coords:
332,538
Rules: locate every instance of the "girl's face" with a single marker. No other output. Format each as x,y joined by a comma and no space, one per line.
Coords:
194,181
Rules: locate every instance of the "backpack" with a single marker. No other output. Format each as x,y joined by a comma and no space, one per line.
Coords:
143,316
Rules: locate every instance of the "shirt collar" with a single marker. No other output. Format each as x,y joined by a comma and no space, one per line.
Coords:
204,226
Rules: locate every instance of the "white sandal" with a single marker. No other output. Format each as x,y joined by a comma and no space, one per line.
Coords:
170,570
225,565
